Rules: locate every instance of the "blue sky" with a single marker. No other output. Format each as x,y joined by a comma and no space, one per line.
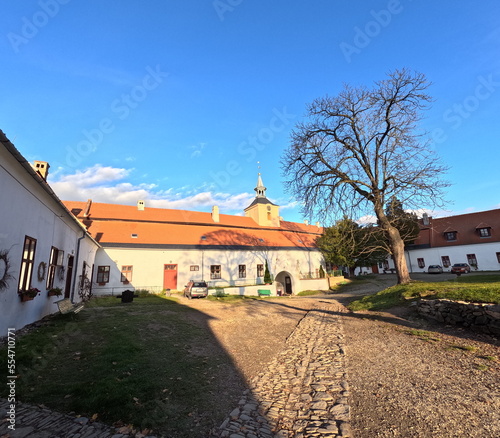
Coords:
176,102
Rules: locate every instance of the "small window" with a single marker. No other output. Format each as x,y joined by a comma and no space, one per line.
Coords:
471,259
54,257
126,274
484,232
446,261
260,270
450,236
498,257
103,274
134,236
215,272
27,263
421,263
194,268
242,271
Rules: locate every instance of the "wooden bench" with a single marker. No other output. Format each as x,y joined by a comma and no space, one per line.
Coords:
66,306
264,292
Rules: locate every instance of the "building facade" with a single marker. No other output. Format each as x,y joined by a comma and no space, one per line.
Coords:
42,245
158,249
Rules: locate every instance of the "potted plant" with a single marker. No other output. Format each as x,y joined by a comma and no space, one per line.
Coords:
267,275
54,292
29,294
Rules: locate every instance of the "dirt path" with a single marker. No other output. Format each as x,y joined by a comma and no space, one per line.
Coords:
403,383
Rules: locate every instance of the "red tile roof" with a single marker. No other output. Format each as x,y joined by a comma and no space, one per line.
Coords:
465,225
123,225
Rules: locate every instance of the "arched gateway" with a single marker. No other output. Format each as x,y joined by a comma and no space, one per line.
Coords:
285,283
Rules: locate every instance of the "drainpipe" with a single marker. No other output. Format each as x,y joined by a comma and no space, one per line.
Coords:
75,270
409,260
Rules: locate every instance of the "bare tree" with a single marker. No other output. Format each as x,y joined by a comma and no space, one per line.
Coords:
357,151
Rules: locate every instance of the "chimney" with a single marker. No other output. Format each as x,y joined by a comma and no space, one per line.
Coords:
215,213
317,224
141,205
306,222
42,167
425,219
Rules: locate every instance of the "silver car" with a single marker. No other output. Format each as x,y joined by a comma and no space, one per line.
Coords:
196,289
435,269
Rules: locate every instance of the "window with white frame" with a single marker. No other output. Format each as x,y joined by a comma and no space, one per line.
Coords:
484,232
27,263
54,256
445,260
471,259
450,236
103,274
215,272
421,262
260,270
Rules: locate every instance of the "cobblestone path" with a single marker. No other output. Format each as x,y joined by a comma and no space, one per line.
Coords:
304,391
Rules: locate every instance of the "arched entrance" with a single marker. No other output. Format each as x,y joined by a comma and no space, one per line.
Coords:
284,282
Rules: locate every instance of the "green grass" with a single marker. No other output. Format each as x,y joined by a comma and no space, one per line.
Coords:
473,289
306,293
149,363
424,335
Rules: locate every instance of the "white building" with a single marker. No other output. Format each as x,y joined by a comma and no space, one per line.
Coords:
42,245
472,238
156,249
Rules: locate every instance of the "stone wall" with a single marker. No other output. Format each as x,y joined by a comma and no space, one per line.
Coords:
480,317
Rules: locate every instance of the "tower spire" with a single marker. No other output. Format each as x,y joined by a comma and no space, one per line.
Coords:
260,189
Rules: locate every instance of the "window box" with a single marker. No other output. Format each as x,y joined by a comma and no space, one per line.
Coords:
54,292
29,294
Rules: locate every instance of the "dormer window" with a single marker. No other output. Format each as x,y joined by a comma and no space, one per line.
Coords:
450,236
484,232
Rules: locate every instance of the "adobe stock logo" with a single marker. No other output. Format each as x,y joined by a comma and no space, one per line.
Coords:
31,26
121,108
364,36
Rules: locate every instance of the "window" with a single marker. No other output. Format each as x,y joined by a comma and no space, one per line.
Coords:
260,270
471,259
103,274
446,261
450,235
215,272
27,263
126,274
242,271
194,268
421,263
498,257
386,264
484,232
54,256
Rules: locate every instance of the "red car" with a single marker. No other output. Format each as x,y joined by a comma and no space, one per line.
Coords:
460,268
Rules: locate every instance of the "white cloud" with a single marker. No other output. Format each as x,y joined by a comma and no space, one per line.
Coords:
105,184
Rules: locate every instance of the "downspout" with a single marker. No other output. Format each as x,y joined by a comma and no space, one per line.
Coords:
409,260
75,270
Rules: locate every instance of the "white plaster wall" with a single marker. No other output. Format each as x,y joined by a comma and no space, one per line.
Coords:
26,209
485,255
148,266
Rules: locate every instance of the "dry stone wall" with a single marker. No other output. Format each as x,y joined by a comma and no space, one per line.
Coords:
480,317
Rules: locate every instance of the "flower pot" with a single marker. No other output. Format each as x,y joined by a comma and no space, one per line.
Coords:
26,298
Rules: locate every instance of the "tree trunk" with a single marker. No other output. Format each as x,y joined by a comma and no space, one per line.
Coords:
398,254
397,246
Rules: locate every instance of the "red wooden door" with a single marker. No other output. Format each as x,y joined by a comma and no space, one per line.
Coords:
170,277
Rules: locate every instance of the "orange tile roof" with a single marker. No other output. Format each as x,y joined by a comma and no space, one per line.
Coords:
122,225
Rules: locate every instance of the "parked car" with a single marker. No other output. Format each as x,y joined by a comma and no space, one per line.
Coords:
196,289
460,268
435,269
